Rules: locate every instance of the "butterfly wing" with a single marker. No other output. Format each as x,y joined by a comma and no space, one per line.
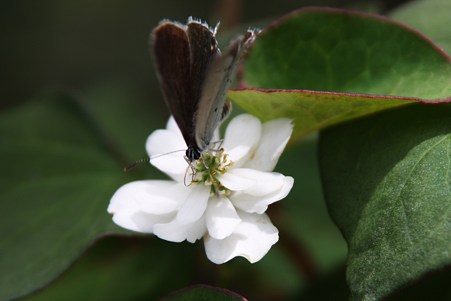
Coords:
203,51
182,55
213,107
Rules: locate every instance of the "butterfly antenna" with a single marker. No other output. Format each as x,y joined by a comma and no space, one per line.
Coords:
147,160
136,163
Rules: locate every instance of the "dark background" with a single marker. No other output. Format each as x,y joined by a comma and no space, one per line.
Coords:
89,45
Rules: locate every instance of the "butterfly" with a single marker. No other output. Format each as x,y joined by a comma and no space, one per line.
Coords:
194,77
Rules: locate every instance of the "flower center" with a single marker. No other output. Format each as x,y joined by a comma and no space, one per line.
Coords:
208,167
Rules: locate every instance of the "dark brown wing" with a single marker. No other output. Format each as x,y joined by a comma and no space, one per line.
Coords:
182,55
172,60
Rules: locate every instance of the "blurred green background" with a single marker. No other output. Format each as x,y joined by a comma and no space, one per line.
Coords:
84,45
98,51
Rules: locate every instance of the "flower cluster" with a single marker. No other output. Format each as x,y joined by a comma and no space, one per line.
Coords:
222,197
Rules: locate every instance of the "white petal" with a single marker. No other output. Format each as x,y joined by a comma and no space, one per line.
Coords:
154,197
177,232
241,138
235,181
142,222
252,239
221,217
121,200
172,126
195,204
166,150
126,205
259,204
251,181
275,135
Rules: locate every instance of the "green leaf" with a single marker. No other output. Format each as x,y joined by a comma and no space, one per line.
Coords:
311,111
349,54
431,17
119,268
388,187
204,293
343,51
58,175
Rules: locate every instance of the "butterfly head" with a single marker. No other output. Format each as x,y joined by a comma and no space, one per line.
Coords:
192,153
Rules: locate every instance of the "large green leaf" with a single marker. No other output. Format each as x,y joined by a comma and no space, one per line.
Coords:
349,54
119,268
431,17
343,51
58,175
388,187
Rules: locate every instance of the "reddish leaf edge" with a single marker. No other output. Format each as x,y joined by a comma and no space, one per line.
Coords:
339,94
203,286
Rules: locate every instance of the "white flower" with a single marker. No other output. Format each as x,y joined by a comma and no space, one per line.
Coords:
225,200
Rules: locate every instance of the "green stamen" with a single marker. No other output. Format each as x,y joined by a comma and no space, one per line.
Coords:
208,167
